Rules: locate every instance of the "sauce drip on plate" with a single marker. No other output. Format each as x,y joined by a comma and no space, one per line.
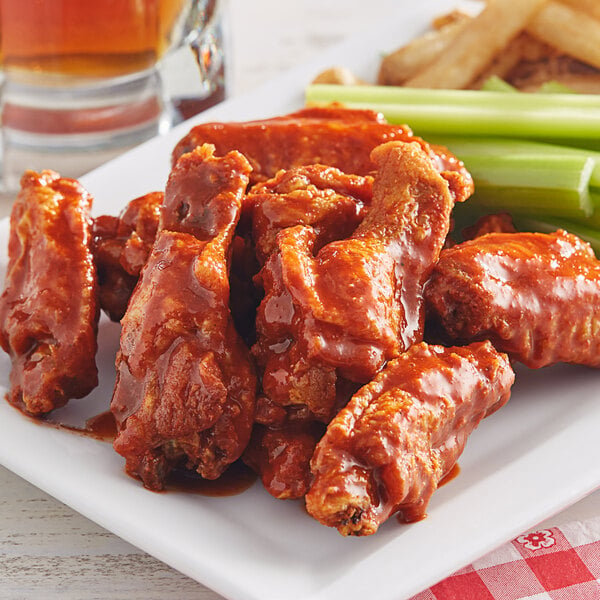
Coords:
99,427
235,480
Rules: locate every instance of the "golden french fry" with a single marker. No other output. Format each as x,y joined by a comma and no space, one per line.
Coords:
480,40
504,62
569,30
339,76
591,7
398,66
453,16
523,53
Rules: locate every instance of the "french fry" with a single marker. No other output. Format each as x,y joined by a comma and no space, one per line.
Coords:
503,63
591,7
338,75
398,66
480,40
569,30
524,50
453,16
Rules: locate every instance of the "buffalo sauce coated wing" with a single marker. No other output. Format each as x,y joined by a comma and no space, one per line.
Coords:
49,309
185,388
332,136
536,296
121,248
358,301
388,449
333,317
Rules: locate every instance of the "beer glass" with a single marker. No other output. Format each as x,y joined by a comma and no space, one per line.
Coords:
82,78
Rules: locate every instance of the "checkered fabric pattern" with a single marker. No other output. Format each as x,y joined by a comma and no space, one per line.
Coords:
560,563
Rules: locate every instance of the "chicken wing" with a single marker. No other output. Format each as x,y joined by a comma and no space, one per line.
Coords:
281,456
121,248
185,390
49,308
388,449
332,319
534,295
358,302
332,136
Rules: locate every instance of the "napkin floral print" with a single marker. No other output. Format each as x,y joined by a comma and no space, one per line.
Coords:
548,564
537,539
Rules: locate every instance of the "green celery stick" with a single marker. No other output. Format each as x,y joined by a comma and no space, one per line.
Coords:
569,117
593,220
493,147
532,184
497,84
555,87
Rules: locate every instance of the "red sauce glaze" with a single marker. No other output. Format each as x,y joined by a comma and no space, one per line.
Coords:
453,473
100,427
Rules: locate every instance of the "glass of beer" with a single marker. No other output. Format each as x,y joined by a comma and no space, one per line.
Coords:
82,78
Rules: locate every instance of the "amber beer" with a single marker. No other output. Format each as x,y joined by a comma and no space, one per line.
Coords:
88,38
83,79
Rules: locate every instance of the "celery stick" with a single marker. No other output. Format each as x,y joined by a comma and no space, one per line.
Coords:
532,184
497,84
493,147
589,234
473,112
594,219
555,87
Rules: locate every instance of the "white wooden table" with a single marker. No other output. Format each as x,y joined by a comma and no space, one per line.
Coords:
47,551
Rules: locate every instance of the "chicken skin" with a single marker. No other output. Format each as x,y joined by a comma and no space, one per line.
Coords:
330,201
331,135
185,390
49,308
534,295
388,449
121,248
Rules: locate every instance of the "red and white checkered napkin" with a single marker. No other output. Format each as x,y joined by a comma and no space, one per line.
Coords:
560,563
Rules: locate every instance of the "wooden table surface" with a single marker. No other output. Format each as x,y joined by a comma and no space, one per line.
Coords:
48,551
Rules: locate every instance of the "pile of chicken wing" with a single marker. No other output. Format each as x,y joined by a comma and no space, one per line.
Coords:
293,299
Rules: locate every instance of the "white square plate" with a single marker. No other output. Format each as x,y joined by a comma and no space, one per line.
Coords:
533,458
